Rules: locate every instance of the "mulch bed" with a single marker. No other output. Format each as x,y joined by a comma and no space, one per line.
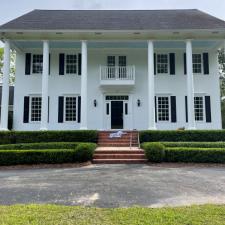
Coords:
45,166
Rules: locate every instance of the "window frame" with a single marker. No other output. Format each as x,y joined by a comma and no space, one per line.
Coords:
30,109
168,63
64,109
201,54
169,108
203,109
65,63
32,65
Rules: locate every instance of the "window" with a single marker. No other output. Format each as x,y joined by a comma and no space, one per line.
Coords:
163,108
162,63
199,108
70,109
197,63
35,109
71,64
37,63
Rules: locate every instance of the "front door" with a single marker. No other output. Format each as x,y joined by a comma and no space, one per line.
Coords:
116,114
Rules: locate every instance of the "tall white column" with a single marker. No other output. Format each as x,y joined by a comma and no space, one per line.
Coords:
44,104
83,125
5,87
190,86
151,87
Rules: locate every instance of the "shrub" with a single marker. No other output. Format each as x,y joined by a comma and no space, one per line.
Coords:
182,136
14,137
195,144
196,155
39,146
155,152
14,157
84,152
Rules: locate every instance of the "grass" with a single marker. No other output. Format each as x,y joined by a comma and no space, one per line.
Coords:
68,215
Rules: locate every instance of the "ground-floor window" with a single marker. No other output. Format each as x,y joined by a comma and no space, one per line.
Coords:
163,108
70,108
199,108
35,109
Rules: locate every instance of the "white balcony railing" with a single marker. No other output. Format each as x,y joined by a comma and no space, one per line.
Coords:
119,73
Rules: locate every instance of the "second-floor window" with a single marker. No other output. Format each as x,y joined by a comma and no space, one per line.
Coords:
37,63
197,63
162,63
71,64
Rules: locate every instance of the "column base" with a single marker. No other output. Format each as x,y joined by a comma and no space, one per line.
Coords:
152,128
83,128
4,129
43,129
191,128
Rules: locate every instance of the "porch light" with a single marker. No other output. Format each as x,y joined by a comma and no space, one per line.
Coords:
138,102
95,103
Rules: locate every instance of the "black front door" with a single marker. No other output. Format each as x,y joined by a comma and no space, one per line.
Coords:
116,114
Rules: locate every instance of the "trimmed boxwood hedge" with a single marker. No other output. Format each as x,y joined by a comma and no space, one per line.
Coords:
182,136
14,137
195,144
37,156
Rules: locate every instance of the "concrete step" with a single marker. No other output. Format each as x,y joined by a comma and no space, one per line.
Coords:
119,161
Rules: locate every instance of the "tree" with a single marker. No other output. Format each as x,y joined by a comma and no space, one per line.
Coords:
12,65
222,83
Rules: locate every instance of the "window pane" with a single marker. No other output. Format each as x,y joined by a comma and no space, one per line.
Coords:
37,63
197,63
71,109
199,108
71,64
162,63
36,109
163,109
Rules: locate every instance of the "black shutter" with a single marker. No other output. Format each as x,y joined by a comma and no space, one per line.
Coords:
26,109
186,109
208,109
60,109
61,63
49,65
27,63
79,64
79,109
206,63
172,64
155,109
173,109
185,64
154,63
48,109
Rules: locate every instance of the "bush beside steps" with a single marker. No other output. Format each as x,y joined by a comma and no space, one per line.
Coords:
185,152
80,152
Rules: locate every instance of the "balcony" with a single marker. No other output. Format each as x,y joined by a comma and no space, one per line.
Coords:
117,75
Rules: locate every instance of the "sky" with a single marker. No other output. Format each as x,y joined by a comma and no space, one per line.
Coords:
9,9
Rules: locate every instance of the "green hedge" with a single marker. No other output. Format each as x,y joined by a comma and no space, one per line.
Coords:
195,144
182,136
35,156
14,137
190,152
155,152
195,155
39,146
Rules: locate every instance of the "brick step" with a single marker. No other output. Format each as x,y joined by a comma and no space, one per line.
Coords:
119,156
119,161
131,152
116,145
120,139
122,142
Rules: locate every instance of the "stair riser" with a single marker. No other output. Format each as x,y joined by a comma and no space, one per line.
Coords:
119,156
119,161
119,152
116,145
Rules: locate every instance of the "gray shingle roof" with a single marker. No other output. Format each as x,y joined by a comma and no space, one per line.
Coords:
114,20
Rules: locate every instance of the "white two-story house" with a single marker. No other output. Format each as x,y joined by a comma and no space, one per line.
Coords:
104,69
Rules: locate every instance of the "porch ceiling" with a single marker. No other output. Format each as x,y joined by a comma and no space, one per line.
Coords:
206,44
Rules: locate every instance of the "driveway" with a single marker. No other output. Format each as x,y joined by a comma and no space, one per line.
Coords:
115,185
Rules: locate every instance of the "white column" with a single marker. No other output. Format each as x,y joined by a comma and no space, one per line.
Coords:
83,125
44,104
5,87
151,87
190,86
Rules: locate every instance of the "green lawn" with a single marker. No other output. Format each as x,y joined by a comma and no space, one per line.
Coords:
55,214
